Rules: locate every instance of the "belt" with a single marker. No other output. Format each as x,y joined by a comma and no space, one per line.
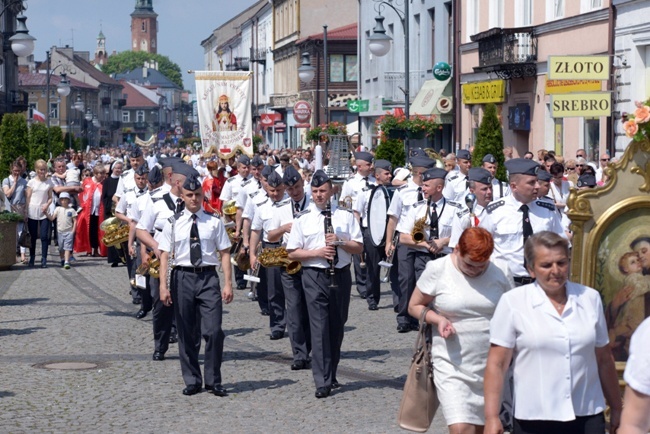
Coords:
196,270
523,280
268,244
325,269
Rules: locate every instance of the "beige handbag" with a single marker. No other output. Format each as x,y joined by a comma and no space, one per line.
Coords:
420,399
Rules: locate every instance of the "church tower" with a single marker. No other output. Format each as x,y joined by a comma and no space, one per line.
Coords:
144,27
100,51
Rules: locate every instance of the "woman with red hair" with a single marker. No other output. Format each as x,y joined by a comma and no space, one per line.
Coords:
463,289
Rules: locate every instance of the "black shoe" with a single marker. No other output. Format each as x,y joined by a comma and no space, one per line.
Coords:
277,335
373,306
395,309
217,390
159,357
363,295
173,338
191,390
114,265
335,384
265,312
415,327
141,314
322,392
136,301
241,285
403,328
299,365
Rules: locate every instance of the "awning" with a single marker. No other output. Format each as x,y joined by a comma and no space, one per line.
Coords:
434,98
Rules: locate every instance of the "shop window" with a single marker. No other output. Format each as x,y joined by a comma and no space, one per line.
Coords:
592,138
343,68
558,136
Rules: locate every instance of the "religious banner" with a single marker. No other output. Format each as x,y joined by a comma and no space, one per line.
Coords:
223,101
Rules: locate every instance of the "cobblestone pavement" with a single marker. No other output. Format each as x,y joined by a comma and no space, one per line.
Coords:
85,315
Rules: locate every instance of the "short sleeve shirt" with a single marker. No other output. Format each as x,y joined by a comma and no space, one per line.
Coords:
637,374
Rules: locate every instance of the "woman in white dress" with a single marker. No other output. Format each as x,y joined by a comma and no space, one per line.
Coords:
38,197
463,288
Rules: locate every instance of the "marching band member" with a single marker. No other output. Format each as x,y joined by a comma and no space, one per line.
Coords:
230,191
363,180
456,184
248,187
157,211
436,213
127,181
124,204
499,188
404,198
263,222
324,244
189,243
480,185
373,255
514,218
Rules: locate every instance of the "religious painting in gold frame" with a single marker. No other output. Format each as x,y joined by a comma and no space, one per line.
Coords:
611,243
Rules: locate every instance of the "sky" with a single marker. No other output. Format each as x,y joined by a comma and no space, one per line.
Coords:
182,25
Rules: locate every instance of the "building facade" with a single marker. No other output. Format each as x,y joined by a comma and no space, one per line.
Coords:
144,27
12,99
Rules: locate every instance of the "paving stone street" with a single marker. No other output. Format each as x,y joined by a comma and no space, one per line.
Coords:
85,315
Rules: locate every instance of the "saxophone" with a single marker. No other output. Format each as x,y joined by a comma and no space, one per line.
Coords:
278,257
418,233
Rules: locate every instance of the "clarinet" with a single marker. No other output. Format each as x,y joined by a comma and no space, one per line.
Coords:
171,258
331,271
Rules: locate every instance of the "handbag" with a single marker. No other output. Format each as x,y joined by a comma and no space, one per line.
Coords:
420,398
25,239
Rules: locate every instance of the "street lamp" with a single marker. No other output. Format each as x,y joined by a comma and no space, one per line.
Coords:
63,89
379,45
22,43
306,72
79,104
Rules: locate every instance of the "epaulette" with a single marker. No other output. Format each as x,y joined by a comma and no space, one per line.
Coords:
262,203
456,204
246,182
154,191
302,213
156,199
461,213
545,204
364,189
175,217
402,186
452,178
422,202
129,190
231,179
281,203
494,205
212,214
253,194
125,173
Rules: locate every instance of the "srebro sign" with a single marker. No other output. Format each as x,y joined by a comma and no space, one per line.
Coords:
588,104
578,67
484,92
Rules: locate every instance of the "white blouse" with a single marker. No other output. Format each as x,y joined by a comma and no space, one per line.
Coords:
40,196
637,374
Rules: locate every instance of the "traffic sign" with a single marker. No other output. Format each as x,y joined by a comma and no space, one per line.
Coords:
358,105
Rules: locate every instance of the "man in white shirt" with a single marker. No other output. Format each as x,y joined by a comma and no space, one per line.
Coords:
126,182
499,188
480,185
456,184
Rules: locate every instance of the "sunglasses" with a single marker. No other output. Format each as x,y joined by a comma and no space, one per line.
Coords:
604,159
580,165
570,168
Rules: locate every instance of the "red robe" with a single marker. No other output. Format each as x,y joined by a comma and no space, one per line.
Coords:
211,192
82,236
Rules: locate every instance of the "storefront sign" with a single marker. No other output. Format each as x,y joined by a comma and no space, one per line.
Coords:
302,111
441,71
569,86
593,104
578,67
484,92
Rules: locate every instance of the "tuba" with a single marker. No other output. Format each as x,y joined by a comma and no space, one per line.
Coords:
229,209
278,257
116,234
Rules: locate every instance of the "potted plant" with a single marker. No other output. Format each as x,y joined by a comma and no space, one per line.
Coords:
393,126
332,129
417,126
8,222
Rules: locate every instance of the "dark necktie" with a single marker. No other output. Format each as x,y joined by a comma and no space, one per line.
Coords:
195,244
180,205
467,183
296,207
434,222
365,178
420,197
528,229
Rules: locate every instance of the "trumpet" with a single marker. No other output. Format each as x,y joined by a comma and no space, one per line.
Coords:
150,267
278,257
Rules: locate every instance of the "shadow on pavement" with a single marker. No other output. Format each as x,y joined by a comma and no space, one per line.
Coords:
363,355
251,386
6,393
21,301
253,355
241,331
394,383
118,313
27,331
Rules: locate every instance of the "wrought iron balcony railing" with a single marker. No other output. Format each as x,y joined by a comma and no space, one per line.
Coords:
509,53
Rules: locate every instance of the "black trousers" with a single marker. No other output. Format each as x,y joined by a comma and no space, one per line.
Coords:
144,294
406,259
594,424
38,229
297,315
373,270
328,312
359,273
261,289
421,261
94,234
163,317
277,309
198,306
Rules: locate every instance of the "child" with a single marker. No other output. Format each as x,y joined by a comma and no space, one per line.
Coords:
66,223
72,180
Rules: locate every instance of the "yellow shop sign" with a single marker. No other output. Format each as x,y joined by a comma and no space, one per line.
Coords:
591,104
569,86
484,92
578,67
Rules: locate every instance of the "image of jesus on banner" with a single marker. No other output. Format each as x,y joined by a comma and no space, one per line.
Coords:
224,118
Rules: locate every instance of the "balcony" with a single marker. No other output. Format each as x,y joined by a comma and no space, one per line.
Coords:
258,55
19,101
241,64
394,83
139,126
106,100
121,102
509,53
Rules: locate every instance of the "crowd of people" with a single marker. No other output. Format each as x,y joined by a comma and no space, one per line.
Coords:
490,257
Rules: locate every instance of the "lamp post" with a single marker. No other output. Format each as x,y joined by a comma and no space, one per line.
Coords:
306,72
379,45
88,117
22,45
63,88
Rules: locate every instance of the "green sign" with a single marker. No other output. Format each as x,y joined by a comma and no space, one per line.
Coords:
358,105
441,71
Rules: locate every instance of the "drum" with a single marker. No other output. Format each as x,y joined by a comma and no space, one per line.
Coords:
378,214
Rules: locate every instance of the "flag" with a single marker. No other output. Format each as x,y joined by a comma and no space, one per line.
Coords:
38,116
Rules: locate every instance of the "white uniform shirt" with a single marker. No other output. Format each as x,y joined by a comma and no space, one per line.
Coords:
463,220
151,161
445,209
308,233
231,188
637,374
504,222
555,368
353,186
127,201
249,186
499,187
403,200
211,232
141,203
263,219
455,186
287,214
361,205
156,214
126,182
560,195
254,200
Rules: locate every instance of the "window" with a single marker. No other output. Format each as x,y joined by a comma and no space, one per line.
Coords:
554,9
592,138
432,16
343,67
523,13
144,26
496,13
126,116
473,15
139,116
590,5
54,110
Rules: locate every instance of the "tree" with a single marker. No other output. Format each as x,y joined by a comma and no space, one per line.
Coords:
56,141
391,150
490,141
37,143
130,60
13,140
